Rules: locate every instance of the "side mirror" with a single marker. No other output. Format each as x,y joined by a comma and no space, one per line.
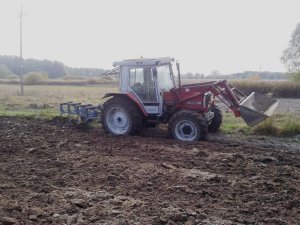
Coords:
154,70
178,70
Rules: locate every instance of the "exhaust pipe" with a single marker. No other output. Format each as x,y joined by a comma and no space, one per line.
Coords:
256,108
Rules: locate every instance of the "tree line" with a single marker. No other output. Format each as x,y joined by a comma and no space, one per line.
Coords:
15,66
291,55
252,75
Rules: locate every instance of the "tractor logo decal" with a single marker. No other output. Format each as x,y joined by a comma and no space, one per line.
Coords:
224,100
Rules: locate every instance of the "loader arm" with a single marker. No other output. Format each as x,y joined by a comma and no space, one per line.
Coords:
229,95
253,108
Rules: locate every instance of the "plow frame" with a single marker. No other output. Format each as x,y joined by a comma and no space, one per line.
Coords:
86,112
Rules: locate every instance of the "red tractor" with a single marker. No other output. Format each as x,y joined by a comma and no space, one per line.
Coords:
149,95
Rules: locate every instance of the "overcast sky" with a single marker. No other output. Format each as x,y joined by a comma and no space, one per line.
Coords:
229,36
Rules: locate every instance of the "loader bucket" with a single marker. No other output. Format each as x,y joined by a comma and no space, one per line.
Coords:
256,108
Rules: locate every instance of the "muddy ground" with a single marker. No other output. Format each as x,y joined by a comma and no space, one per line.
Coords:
54,173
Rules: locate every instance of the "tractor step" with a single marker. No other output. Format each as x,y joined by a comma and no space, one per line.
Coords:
85,112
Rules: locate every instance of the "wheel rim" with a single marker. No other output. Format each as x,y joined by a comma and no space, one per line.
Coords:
117,120
186,130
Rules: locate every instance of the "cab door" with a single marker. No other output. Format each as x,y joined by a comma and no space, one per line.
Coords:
143,84
165,81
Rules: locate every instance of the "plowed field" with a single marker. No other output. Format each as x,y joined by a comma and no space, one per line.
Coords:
54,173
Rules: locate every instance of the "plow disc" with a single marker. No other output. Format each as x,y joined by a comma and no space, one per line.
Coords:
256,108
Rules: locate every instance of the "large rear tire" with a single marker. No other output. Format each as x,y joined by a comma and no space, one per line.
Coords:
187,126
215,123
120,116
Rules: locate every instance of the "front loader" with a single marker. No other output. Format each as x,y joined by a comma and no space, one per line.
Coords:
149,95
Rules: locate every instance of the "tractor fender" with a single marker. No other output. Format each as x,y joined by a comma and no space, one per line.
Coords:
130,96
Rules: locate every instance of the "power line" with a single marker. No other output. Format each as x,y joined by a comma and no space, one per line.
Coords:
21,15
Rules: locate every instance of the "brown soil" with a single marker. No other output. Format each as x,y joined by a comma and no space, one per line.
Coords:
62,174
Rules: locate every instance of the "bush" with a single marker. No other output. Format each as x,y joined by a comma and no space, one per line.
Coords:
107,78
92,81
281,89
291,127
13,77
267,128
296,76
279,125
35,77
4,72
74,78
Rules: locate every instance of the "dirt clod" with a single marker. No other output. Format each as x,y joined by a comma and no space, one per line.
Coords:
8,220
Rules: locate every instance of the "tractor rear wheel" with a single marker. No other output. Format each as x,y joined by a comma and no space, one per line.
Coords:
216,122
120,116
187,126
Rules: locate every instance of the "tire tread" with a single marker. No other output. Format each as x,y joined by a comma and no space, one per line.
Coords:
216,122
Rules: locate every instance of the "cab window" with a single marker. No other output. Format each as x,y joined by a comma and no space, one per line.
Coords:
142,82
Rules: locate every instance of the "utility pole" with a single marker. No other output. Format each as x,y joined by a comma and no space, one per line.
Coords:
21,56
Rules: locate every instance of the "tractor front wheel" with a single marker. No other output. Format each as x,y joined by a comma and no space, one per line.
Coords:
120,116
187,126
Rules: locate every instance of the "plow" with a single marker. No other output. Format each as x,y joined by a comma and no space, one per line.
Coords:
84,113
150,93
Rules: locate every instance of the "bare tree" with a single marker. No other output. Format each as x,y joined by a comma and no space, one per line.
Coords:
291,55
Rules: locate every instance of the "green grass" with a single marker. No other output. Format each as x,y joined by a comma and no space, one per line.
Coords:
28,112
280,125
42,101
232,124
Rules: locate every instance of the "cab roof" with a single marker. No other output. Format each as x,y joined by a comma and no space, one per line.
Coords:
144,62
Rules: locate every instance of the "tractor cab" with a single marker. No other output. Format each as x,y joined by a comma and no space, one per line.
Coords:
146,79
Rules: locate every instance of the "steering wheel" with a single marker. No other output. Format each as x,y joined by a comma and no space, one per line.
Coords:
137,86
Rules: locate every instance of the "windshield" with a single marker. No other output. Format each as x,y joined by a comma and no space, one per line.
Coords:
164,77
